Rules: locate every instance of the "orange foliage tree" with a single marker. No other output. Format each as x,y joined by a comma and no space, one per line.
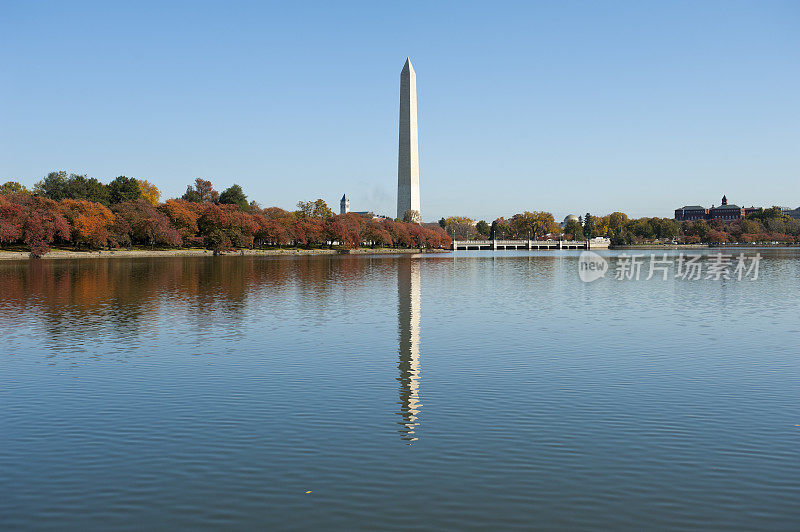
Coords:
90,222
183,215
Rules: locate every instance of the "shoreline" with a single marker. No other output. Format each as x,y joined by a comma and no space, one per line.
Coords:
705,246
137,253
661,246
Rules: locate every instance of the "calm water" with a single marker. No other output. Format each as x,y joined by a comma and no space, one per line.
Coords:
471,391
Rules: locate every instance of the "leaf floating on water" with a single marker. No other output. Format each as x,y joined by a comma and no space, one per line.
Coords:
308,492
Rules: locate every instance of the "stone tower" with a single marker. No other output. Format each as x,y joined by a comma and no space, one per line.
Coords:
344,205
408,153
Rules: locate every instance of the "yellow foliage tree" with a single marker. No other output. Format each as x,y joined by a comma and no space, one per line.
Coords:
150,192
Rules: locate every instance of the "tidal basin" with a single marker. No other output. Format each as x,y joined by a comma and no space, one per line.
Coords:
476,389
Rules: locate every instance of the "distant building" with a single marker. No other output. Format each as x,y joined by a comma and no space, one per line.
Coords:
344,208
725,212
691,212
569,218
794,213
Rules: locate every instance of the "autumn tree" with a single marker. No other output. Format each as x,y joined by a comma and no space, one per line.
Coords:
42,223
307,231
399,231
149,191
716,237
12,221
223,227
346,229
460,227
272,232
533,224
377,235
90,222
184,215
617,221
202,192
138,222
276,213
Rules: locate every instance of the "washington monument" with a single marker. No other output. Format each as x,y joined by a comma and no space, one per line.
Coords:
408,153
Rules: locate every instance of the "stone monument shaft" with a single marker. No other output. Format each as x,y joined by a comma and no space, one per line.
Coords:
408,153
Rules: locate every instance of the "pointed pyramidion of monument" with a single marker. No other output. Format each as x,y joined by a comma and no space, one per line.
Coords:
408,148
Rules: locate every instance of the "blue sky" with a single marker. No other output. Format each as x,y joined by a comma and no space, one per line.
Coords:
561,106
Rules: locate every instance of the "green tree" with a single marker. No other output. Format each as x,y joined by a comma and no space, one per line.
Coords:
500,229
700,228
123,189
483,228
574,229
234,195
589,226
765,215
317,210
751,226
57,186
12,187
53,187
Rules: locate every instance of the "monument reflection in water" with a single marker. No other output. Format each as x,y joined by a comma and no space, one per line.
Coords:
408,315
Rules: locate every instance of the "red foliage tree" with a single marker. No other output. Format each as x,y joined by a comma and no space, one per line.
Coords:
306,231
717,236
42,222
139,222
345,229
272,232
12,221
377,235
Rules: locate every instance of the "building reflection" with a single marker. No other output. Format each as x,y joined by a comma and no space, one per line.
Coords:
408,314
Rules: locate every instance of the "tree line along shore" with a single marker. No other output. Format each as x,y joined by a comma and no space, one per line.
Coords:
79,213
765,226
74,211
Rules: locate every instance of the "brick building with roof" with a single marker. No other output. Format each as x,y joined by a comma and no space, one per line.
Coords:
724,213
